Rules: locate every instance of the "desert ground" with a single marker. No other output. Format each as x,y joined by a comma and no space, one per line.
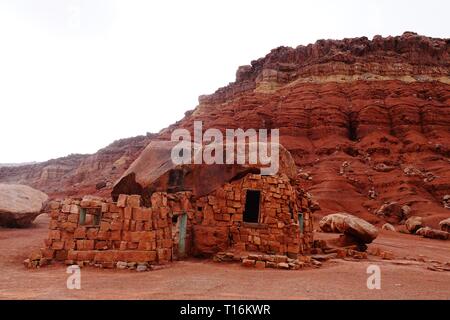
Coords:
408,276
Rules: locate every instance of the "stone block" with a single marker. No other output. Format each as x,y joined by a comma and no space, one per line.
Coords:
134,201
248,263
58,245
80,233
54,235
122,201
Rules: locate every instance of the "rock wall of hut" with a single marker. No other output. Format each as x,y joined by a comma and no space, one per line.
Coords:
105,233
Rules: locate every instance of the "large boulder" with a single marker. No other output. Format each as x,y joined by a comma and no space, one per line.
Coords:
357,228
388,227
155,171
445,225
393,212
413,224
20,205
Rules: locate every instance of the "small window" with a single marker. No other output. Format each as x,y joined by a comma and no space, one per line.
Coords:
252,199
300,221
90,216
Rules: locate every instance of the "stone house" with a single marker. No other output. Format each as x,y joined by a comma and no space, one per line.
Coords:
176,217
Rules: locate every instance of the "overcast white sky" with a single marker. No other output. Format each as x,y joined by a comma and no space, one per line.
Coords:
77,74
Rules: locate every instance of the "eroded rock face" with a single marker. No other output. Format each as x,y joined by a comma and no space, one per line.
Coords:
19,205
349,225
382,105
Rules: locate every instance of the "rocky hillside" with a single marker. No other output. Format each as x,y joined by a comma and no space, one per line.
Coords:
79,174
367,122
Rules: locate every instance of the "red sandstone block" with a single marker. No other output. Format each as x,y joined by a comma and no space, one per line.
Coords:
54,235
149,236
167,243
164,212
70,244
122,201
138,256
116,235
134,201
105,256
53,224
55,215
132,245
162,223
80,233
48,253
146,214
65,235
105,226
83,245
148,226
123,245
116,225
137,215
58,245
146,245
85,255
164,255
126,224
69,226
248,263
60,255
73,218
136,236
92,233
114,208
160,234
101,245
132,225
74,209
104,235
260,264
128,213
72,255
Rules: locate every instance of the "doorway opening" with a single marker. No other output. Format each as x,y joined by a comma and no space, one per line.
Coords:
252,200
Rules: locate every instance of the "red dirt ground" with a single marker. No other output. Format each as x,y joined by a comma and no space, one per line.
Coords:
199,279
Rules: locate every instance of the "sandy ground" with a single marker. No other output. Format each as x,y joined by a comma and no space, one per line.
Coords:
199,279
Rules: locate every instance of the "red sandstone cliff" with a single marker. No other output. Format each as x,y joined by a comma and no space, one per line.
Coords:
359,116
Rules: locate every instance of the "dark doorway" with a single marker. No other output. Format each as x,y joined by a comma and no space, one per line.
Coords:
251,213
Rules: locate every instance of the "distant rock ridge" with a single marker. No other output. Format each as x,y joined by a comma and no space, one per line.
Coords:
409,55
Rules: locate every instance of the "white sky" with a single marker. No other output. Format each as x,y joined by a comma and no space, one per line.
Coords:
76,75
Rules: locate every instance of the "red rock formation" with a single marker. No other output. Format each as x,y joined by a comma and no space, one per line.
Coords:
79,174
368,120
